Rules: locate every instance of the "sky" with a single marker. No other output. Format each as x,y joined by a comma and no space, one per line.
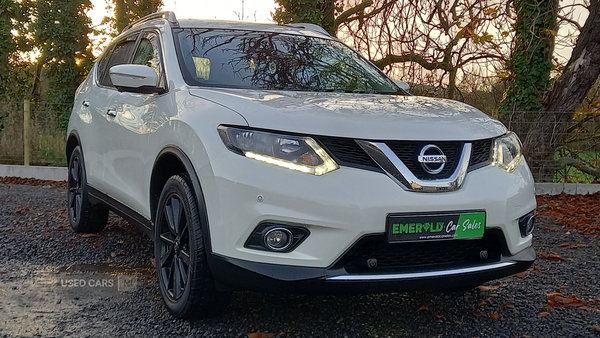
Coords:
254,10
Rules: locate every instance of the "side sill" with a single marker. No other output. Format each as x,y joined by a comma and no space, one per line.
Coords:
122,210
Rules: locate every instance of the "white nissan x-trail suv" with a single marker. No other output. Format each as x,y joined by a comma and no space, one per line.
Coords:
275,158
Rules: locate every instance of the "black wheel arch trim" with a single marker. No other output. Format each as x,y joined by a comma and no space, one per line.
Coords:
189,168
68,149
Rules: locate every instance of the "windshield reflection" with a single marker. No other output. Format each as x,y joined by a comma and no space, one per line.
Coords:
274,61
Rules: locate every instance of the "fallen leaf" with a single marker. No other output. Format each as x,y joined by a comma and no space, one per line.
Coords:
47,234
458,322
260,335
551,255
423,308
571,246
62,228
96,245
520,274
596,327
494,315
153,261
90,235
506,306
543,314
2,272
489,287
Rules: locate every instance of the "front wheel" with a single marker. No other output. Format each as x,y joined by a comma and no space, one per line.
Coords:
185,282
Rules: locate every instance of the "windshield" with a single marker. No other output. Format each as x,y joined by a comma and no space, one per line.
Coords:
268,60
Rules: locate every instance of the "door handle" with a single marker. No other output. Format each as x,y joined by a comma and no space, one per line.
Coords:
111,112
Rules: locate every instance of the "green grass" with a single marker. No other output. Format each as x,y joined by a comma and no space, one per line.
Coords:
574,175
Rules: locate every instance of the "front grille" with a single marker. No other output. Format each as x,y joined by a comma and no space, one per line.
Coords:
480,153
417,256
346,152
408,152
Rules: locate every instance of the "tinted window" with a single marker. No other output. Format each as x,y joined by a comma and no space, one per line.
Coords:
148,53
120,54
103,62
266,60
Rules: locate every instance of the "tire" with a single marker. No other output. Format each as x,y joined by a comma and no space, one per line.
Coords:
185,282
84,216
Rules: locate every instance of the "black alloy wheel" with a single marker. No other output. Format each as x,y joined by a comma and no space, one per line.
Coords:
84,216
174,247
185,282
75,188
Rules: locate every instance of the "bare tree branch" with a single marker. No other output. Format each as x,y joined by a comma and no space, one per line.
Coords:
390,59
345,16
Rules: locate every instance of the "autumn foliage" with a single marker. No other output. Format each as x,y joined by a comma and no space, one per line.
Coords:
581,212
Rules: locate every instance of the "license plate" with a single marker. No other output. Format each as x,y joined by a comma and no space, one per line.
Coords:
417,227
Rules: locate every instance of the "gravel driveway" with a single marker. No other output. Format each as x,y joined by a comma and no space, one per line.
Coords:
55,283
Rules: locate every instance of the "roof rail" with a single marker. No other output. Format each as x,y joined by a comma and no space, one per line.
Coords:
169,16
309,26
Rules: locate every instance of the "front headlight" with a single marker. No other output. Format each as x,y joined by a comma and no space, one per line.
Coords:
292,152
507,152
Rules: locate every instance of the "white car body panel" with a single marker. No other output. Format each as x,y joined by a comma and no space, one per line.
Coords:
365,116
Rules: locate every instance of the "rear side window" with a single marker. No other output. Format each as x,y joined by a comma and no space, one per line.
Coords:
120,54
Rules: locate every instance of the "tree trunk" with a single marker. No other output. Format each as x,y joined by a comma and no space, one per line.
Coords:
567,93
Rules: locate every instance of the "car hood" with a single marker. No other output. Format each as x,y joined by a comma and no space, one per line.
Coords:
363,116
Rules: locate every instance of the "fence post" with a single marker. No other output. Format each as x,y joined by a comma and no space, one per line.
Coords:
26,132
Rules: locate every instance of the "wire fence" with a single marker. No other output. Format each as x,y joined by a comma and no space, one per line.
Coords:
559,147
572,157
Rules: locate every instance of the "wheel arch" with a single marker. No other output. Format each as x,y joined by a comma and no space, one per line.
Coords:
172,161
72,142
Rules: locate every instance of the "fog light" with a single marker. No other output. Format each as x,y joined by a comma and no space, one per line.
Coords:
526,224
278,239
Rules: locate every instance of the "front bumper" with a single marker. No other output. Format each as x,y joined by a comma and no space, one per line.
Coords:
343,206
231,273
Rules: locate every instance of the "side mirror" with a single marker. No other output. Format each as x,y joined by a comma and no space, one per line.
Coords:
403,85
135,79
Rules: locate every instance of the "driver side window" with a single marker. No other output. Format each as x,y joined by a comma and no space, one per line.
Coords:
148,54
119,54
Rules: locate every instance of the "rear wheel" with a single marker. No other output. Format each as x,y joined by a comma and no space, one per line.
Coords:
83,216
185,282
